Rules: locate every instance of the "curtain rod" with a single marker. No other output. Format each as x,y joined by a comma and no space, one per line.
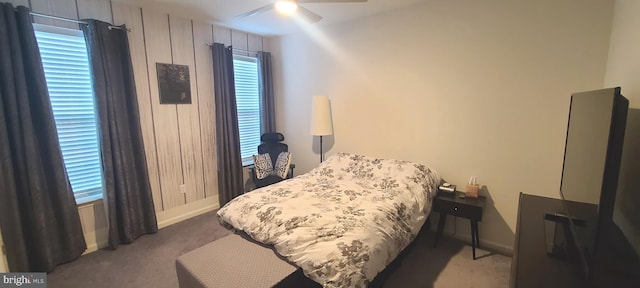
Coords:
58,18
70,20
237,49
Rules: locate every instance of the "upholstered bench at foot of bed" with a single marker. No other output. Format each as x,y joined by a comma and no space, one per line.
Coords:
232,262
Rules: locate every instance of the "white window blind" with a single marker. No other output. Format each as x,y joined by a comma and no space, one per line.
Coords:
66,68
245,70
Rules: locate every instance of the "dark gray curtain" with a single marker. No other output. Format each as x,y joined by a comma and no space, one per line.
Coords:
129,202
267,98
38,213
227,133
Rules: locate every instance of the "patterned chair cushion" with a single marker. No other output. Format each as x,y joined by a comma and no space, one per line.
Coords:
281,169
263,164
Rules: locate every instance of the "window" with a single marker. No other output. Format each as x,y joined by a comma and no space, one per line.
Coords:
245,72
66,68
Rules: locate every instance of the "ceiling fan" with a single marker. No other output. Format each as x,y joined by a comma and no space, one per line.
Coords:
289,7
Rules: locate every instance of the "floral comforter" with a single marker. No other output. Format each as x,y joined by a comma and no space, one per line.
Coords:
342,222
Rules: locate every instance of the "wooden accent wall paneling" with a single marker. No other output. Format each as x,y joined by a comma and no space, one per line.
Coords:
188,115
202,38
95,9
240,40
266,44
254,42
158,46
59,8
184,135
94,225
179,139
132,17
222,35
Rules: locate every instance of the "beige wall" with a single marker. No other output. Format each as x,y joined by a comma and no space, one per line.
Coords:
179,139
623,68
623,65
469,87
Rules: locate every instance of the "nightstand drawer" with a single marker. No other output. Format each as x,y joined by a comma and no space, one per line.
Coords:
459,209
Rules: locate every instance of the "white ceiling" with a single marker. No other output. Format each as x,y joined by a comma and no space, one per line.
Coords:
223,12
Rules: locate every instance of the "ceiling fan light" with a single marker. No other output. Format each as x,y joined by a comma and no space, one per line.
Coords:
286,7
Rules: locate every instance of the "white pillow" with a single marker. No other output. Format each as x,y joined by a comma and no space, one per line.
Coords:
281,168
263,164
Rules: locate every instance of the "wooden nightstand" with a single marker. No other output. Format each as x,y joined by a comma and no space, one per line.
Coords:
469,208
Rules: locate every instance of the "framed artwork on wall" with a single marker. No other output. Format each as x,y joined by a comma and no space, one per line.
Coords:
173,83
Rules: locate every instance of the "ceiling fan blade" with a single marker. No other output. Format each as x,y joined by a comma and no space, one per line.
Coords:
256,11
330,1
308,15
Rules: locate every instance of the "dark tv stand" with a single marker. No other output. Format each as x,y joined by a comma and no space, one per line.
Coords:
531,266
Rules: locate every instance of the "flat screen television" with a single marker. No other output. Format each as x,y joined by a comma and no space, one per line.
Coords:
590,180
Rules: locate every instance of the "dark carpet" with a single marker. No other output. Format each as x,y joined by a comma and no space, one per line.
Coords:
150,261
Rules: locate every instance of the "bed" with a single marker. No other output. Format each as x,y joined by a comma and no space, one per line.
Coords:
342,222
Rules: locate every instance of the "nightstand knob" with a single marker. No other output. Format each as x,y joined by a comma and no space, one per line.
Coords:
455,208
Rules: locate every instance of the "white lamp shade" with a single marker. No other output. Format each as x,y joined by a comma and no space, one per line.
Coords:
321,124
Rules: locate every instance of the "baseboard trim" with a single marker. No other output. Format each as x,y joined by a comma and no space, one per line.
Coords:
450,231
184,212
487,245
98,239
